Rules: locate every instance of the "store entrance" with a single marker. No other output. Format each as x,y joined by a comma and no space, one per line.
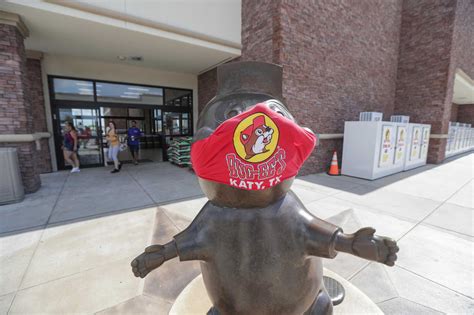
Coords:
160,113
146,119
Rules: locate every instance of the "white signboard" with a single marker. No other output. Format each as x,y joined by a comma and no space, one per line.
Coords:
386,148
415,144
400,144
424,146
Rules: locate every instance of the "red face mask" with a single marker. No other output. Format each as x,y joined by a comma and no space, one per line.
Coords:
255,150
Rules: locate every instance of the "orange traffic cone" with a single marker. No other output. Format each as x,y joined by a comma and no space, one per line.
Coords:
334,168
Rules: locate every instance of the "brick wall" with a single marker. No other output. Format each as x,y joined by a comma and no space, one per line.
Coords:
343,57
261,30
463,38
424,84
207,87
36,98
13,82
466,114
454,112
15,108
463,52
338,58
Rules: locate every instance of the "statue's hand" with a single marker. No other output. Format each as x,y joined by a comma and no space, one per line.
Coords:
374,247
151,259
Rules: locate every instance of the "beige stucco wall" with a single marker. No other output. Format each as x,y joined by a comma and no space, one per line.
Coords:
181,15
91,69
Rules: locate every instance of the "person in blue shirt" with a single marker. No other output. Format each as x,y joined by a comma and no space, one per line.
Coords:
133,141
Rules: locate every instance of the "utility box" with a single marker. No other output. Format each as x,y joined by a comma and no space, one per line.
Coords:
418,142
460,138
370,116
373,149
400,119
11,186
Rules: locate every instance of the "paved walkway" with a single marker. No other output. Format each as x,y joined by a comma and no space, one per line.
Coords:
66,249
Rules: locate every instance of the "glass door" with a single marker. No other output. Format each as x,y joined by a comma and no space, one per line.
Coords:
86,122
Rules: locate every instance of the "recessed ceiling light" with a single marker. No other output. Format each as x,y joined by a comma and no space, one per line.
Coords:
121,58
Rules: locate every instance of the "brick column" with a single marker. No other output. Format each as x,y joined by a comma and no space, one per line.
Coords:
207,87
15,108
339,58
36,97
425,79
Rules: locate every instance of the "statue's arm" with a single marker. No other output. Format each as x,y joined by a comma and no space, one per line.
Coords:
324,239
365,244
153,257
321,237
190,244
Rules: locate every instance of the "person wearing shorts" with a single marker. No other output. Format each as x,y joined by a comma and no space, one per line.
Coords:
114,146
70,146
133,141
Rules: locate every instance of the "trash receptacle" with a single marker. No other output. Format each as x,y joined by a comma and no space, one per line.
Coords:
11,186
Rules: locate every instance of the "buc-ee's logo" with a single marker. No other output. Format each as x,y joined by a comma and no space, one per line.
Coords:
261,162
256,138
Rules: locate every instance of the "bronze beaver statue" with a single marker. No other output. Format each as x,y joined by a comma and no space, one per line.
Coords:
259,247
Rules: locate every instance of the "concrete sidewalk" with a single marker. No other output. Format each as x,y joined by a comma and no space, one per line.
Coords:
66,249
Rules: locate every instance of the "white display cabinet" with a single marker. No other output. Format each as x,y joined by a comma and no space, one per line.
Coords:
418,143
451,142
373,149
460,139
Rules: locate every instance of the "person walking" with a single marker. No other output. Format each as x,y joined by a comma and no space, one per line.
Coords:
114,146
70,146
133,141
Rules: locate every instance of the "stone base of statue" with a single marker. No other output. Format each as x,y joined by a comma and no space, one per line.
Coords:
194,300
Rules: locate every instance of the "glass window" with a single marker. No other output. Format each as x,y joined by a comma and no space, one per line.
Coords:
171,123
185,127
158,126
114,111
120,123
157,113
176,97
130,94
73,90
136,112
186,123
85,122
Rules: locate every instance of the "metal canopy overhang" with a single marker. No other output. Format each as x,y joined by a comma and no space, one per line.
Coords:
76,33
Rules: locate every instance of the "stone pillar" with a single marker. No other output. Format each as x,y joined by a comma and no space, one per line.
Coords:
16,116
36,97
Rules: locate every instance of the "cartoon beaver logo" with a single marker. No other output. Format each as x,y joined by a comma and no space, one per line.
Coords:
256,137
